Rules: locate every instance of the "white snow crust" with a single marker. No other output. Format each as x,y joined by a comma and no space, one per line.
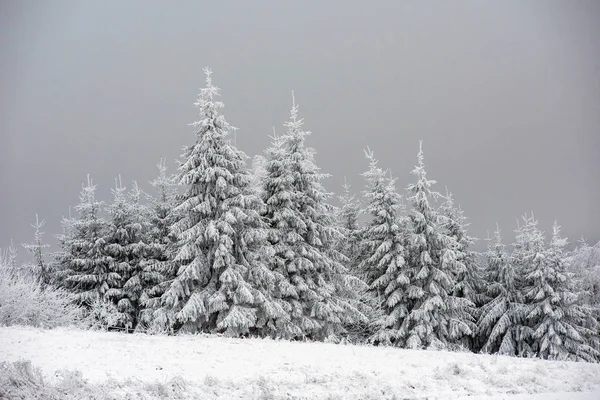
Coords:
222,368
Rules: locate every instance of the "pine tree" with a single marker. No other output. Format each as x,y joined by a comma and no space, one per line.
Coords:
434,316
258,173
222,282
276,189
348,216
527,256
164,245
554,315
504,319
85,266
62,257
584,264
349,245
502,316
382,252
36,248
8,258
313,288
469,282
127,239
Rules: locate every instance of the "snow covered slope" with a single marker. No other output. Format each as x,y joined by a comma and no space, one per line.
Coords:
220,368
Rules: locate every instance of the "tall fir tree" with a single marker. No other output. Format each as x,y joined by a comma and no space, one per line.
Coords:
504,318
527,255
164,244
61,258
434,317
382,252
258,171
313,287
349,244
116,239
84,266
469,282
500,318
554,316
584,264
276,190
348,215
128,245
222,284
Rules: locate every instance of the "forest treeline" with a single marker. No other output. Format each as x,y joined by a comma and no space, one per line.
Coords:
223,247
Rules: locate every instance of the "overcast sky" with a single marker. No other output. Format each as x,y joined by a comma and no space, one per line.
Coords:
505,96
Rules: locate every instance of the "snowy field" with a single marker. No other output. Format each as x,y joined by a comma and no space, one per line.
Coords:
218,368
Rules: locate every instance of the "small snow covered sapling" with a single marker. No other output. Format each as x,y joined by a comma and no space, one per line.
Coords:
38,265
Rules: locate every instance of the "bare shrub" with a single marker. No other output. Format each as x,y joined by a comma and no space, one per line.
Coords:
21,380
102,315
24,300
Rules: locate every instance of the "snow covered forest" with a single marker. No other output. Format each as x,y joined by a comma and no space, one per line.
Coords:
225,245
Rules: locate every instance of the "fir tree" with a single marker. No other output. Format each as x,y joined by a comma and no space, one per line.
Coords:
469,282
84,265
222,282
10,259
382,252
434,316
313,288
36,248
128,245
164,246
116,239
276,189
584,263
348,215
502,316
62,257
381,244
349,245
554,315
527,255
504,319
258,173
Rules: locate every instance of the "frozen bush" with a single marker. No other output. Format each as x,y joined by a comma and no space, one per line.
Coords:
25,301
102,315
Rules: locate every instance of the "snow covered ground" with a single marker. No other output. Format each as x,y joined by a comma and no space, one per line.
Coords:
220,368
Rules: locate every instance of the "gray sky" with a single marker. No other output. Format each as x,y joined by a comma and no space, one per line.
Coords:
505,95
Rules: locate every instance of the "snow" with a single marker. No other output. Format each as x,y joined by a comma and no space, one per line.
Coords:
239,368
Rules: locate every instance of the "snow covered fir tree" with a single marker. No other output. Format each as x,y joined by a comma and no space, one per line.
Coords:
382,264
36,248
222,282
161,263
554,319
128,244
559,333
427,313
469,280
264,250
314,289
348,216
83,264
499,323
